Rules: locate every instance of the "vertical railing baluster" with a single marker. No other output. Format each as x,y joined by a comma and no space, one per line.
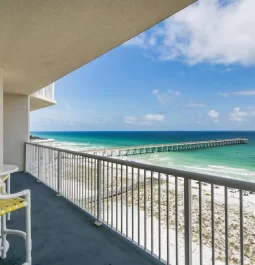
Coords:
116,197
152,211
86,184
70,176
77,180
200,225
132,204
212,218
159,217
107,193
46,165
53,168
226,225
39,164
59,173
43,175
63,173
112,197
103,180
83,183
53,172
126,201
67,174
99,193
188,221
95,185
89,191
27,147
73,191
80,181
138,206
91,186
167,220
73,178
31,165
145,211
121,199
241,228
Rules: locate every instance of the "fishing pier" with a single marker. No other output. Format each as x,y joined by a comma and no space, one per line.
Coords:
168,147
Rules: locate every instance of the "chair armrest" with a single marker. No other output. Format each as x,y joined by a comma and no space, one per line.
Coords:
15,195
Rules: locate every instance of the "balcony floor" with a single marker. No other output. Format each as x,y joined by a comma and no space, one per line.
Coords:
62,234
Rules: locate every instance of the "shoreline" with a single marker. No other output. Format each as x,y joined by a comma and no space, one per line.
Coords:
169,159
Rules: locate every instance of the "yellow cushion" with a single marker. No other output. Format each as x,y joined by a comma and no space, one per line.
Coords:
4,178
10,205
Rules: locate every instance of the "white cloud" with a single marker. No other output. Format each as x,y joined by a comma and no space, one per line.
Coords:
139,41
223,94
161,97
174,92
154,117
213,114
144,123
226,70
195,105
245,93
239,115
238,93
145,120
165,97
130,119
213,31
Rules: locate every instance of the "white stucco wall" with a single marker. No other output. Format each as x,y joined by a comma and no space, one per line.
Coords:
1,118
16,129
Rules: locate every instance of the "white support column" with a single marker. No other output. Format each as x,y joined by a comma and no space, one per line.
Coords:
1,118
16,128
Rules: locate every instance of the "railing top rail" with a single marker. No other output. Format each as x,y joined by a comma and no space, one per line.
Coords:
216,180
46,92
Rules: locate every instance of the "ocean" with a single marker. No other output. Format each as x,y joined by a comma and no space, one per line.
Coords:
236,161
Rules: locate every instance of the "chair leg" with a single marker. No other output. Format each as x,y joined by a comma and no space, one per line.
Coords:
3,236
28,232
9,192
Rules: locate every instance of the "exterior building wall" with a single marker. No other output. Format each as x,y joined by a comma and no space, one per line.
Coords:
1,119
16,129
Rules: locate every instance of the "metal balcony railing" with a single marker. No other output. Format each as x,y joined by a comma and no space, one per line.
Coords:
46,92
178,217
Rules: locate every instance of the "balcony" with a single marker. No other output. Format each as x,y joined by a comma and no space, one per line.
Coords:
176,217
43,98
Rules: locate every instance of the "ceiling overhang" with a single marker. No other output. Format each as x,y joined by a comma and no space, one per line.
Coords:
42,40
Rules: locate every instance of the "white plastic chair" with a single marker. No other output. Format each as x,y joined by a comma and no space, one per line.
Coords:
7,178
10,203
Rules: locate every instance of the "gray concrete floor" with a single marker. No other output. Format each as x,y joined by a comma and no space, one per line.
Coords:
64,235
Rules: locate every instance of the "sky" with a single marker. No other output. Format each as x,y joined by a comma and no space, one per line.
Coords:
193,71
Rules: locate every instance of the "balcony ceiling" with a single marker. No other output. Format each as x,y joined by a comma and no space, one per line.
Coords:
43,40
39,102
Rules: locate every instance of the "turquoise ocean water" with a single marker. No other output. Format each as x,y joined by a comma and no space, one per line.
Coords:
236,161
